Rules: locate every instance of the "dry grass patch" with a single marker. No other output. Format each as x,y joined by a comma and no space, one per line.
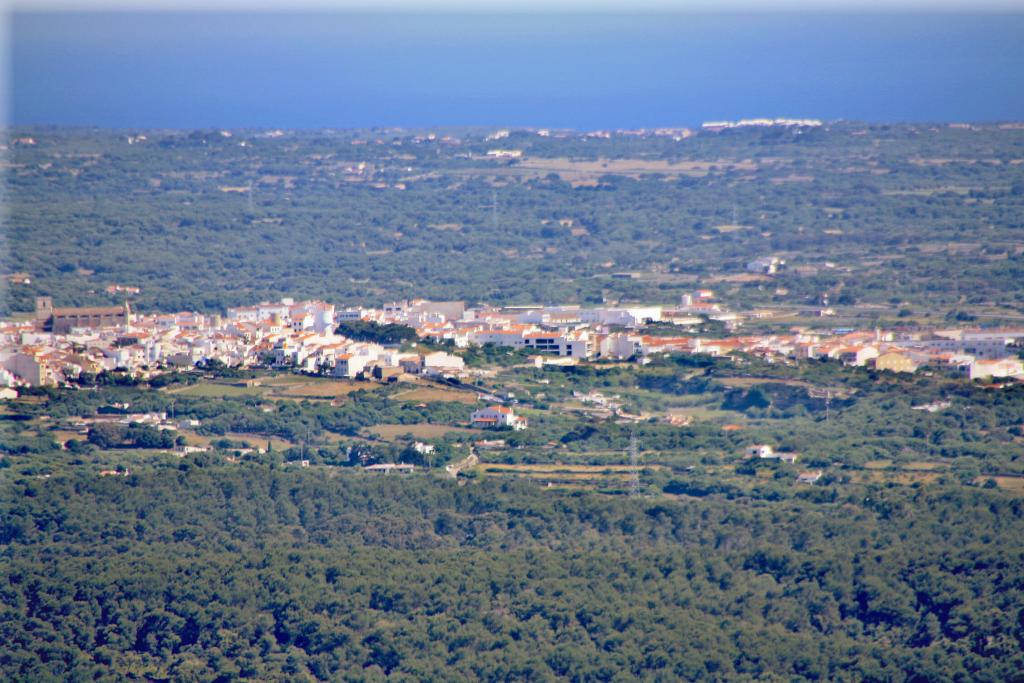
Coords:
208,389
618,477
320,388
435,395
705,414
586,172
288,387
560,468
894,477
878,464
727,228
61,436
1012,484
284,380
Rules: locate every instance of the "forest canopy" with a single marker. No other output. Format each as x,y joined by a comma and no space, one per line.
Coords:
223,574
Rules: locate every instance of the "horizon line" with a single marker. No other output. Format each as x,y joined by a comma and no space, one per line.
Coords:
525,128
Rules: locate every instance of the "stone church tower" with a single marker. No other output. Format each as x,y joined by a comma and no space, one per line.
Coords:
44,307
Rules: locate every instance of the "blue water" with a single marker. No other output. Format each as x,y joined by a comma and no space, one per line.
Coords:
577,71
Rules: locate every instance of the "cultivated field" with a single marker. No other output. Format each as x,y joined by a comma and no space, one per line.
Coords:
553,468
598,167
274,387
319,388
211,389
903,477
435,394
1013,484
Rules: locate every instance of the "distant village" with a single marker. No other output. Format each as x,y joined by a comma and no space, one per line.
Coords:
59,344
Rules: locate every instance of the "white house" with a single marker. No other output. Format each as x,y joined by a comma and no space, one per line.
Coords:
857,355
349,365
575,344
497,417
620,345
302,321
513,338
767,265
505,153
441,362
809,477
355,359
1007,367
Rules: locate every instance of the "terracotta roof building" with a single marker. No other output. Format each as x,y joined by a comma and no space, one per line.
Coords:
62,320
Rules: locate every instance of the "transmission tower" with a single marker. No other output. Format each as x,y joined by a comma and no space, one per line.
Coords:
634,466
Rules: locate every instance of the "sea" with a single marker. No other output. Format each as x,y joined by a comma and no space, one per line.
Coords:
570,70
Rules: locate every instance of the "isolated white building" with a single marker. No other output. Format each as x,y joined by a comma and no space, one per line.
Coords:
441,362
497,417
1005,367
767,265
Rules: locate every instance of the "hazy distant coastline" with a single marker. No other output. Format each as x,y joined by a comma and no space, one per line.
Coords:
191,70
